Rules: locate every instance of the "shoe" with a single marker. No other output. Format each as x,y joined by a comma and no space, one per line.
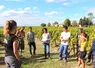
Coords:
60,58
49,57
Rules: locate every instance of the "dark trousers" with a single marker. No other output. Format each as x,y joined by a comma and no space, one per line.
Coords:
12,62
34,47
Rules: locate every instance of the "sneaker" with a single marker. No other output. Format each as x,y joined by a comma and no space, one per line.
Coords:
49,57
60,58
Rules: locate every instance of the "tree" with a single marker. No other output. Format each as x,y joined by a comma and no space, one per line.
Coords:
43,24
90,16
67,22
49,24
85,21
55,23
74,23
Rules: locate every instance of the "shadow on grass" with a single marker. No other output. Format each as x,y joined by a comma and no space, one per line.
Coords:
38,59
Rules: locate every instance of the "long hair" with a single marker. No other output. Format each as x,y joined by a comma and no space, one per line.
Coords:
9,26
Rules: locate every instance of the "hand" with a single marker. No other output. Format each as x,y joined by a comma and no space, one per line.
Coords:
46,40
64,41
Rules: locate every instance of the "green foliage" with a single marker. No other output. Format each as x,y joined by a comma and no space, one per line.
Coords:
43,24
74,23
49,24
85,22
55,23
90,16
67,22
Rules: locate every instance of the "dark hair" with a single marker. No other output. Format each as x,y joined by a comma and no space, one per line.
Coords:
44,29
30,27
12,23
65,27
9,25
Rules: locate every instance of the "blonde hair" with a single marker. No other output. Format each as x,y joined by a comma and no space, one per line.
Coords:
9,26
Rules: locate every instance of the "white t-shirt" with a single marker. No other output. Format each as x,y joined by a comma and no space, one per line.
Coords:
64,36
46,37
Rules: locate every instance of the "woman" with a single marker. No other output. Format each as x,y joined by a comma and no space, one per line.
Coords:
82,54
46,42
12,58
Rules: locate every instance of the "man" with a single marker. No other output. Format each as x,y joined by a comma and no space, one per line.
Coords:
21,35
65,36
31,40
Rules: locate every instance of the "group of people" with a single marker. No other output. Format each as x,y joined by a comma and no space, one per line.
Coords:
14,37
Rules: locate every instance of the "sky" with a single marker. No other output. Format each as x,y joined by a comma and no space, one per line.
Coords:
35,12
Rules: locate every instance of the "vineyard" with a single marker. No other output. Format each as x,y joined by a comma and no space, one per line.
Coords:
55,42
56,31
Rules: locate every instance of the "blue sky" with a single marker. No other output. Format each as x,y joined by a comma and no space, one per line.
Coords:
35,12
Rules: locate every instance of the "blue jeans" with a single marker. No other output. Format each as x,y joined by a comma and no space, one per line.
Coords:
63,49
46,49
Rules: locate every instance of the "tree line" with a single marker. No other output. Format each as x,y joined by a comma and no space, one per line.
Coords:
85,21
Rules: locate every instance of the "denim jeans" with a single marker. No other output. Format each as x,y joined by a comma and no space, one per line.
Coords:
46,49
63,49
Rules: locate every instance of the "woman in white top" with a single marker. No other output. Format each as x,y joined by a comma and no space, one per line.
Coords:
46,42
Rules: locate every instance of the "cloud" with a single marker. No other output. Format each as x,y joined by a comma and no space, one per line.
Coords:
91,10
26,16
66,3
16,0
93,20
2,7
50,1
16,12
50,13
55,1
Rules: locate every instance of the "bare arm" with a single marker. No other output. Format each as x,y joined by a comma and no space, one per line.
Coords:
15,50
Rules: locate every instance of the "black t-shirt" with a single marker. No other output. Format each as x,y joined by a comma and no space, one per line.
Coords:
9,45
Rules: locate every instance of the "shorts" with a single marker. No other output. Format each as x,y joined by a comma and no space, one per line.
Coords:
82,54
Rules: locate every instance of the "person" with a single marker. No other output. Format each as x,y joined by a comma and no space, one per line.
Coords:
21,35
78,37
12,58
46,42
31,40
83,45
91,54
65,36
